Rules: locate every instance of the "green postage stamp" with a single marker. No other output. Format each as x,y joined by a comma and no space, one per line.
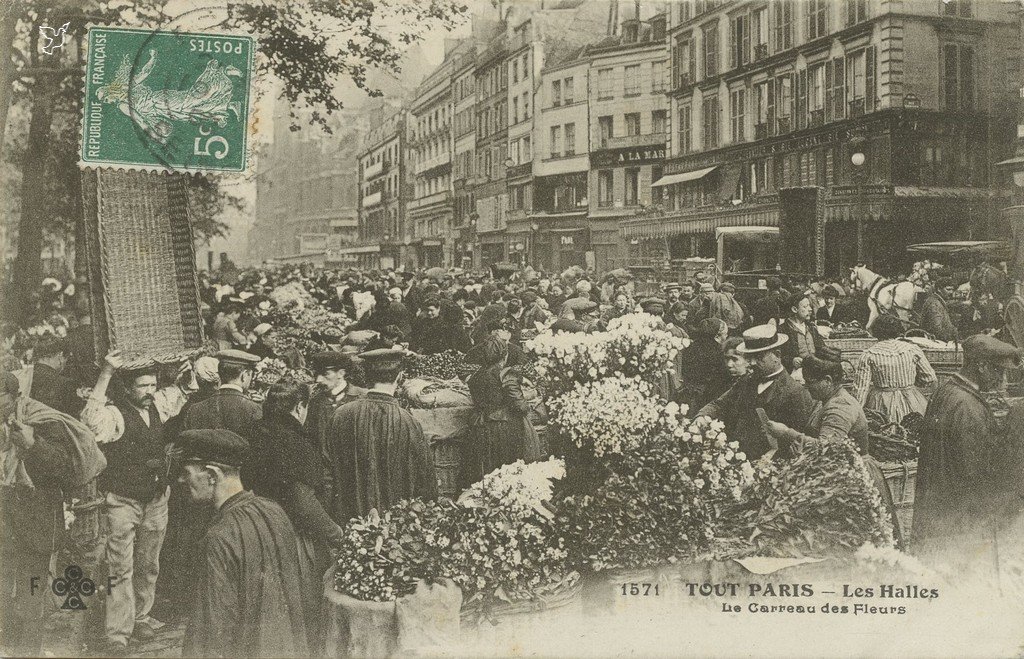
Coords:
166,101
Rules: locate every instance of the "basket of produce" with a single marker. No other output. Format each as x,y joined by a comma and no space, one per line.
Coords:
447,365
849,331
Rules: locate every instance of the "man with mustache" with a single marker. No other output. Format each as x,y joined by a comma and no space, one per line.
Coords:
128,430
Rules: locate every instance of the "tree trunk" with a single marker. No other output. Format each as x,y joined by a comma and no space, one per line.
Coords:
28,264
8,25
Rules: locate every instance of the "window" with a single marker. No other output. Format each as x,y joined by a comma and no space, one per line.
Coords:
958,76
604,83
659,122
556,93
856,11
683,61
685,134
710,49
568,91
631,85
515,110
738,113
817,18
816,88
526,65
782,25
526,105
606,126
605,185
961,8
834,90
763,100
632,186
658,77
739,50
759,176
632,123
709,119
759,33
657,193
515,70
783,103
527,149
556,141
570,139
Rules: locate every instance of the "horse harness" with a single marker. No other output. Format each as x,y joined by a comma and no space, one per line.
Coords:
875,291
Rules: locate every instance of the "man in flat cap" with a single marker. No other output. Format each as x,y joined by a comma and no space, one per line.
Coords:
963,449
377,452
231,408
768,387
247,599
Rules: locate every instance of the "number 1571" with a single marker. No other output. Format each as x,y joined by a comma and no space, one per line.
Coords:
641,589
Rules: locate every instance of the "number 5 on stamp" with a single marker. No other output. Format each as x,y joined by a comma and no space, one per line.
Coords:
167,101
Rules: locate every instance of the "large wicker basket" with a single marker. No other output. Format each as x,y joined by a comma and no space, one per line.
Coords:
901,478
141,260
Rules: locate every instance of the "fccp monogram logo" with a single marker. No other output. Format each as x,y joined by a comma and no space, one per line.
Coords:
73,587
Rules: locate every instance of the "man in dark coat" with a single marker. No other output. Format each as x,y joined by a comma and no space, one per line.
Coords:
935,317
232,409
49,385
768,387
804,338
248,598
378,454
702,365
959,488
433,333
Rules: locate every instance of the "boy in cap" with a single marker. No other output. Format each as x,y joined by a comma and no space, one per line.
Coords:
248,601
331,370
377,452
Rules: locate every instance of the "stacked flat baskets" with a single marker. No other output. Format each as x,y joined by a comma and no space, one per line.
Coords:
901,479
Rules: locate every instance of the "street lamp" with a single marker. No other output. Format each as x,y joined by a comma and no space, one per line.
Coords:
534,227
858,159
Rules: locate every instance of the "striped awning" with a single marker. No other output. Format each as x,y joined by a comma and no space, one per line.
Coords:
691,224
685,177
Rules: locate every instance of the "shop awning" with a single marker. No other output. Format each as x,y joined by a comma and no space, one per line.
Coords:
685,177
364,249
1019,160
700,223
941,192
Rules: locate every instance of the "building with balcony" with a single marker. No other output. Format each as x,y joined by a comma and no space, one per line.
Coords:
627,132
892,113
466,252
384,189
431,211
490,190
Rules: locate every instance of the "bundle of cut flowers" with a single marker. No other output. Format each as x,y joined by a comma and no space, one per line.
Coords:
495,547
447,365
271,371
639,344
613,416
382,557
649,513
821,502
565,360
717,466
291,295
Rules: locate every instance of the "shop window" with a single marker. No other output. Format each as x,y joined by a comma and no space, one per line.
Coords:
605,188
632,186
657,193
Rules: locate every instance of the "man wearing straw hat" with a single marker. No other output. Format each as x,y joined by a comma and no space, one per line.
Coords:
768,387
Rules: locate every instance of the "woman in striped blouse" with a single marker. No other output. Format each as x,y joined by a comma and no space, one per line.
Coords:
890,373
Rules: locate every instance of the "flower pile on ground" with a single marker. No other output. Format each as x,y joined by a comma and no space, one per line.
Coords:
822,502
382,557
649,513
613,416
498,544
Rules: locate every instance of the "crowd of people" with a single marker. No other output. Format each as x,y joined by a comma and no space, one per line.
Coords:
226,509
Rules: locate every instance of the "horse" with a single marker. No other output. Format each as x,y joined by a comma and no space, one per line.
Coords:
884,295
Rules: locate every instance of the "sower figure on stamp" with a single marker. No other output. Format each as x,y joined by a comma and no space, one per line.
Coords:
130,433
42,452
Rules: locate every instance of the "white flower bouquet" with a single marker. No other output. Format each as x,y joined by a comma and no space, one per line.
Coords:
716,465
519,488
613,416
